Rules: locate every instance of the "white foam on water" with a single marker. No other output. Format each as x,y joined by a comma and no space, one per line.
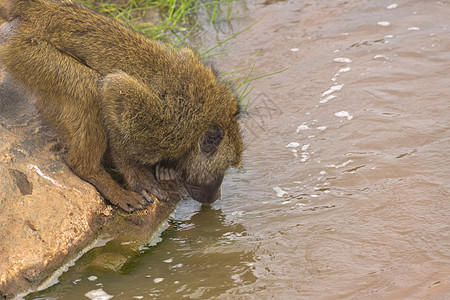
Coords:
392,6
342,70
293,145
176,266
332,89
158,280
342,59
344,114
413,28
99,294
92,278
302,127
326,99
341,165
305,157
126,243
280,192
384,23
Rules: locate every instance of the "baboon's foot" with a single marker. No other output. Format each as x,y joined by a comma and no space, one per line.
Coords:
167,176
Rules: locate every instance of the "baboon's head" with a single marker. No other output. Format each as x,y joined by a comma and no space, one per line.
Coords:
210,120
217,149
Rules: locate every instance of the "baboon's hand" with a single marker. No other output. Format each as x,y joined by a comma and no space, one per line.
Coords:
130,201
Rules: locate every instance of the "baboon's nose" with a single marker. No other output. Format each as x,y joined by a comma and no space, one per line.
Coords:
206,193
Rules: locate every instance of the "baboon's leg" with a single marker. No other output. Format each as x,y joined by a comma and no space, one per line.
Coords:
87,146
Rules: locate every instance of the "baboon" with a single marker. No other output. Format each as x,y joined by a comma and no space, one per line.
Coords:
159,112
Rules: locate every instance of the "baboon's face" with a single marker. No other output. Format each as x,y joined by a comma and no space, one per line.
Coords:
216,152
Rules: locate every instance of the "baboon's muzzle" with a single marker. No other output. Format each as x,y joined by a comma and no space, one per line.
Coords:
206,193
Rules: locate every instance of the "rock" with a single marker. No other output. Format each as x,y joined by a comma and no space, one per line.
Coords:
48,214
110,261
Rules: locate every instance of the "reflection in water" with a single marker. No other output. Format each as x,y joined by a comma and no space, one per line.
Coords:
344,191
201,255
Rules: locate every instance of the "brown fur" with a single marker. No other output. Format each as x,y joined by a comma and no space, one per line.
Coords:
105,87
5,9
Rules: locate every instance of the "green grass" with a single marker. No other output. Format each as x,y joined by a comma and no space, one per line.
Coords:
174,20
159,19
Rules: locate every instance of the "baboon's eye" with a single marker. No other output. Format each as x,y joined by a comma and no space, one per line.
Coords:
211,139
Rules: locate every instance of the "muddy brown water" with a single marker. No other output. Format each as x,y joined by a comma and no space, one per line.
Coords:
345,188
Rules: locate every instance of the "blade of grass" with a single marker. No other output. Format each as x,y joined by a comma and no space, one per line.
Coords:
180,40
245,96
229,10
229,38
215,54
245,81
248,102
213,17
265,75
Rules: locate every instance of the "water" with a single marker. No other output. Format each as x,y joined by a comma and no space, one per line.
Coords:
344,191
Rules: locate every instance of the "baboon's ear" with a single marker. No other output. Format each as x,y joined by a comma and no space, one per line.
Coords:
211,139
124,94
